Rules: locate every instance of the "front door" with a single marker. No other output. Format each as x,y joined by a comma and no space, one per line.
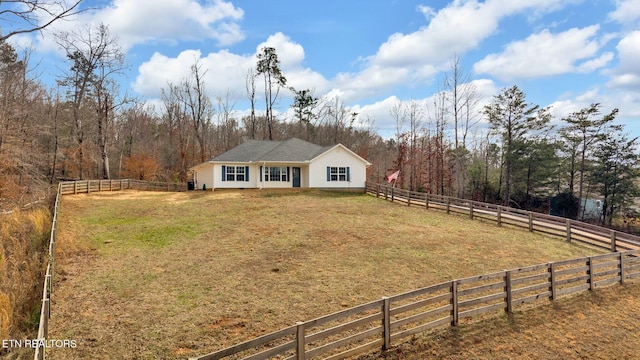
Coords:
296,177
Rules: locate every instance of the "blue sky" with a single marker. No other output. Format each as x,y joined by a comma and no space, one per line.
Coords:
373,54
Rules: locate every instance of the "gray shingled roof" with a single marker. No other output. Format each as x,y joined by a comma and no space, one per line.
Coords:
264,150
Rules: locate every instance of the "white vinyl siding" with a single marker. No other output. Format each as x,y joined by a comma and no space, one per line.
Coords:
337,168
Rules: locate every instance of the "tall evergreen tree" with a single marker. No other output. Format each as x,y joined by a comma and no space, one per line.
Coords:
269,67
586,129
513,118
303,107
616,173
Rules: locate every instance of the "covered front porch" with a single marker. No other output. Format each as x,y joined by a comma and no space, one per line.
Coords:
283,175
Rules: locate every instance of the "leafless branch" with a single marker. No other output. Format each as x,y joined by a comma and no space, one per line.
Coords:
27,10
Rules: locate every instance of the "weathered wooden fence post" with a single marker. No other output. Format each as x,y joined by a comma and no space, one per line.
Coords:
621,268
507,280
592,279
552,280
392,194
300,352
454,303
471,210
613,241
499,215
48,280
569,230
530,221
386,323
448,204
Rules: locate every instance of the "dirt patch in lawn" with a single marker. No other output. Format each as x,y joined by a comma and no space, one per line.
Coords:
165,275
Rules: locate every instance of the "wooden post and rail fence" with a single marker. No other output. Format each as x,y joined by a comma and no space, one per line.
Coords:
571,230
378,324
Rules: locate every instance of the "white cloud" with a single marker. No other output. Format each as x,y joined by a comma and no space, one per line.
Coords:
568,104
369,82
415,58
141,21
547,54
485,88
403,59
226,71
137,22
455,29
627,102
626,12
379,111
290,54
627,74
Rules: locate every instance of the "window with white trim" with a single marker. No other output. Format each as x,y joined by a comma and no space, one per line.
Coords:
338,173
276,173
235,173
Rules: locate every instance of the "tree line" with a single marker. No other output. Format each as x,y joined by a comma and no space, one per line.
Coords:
522,158
505,152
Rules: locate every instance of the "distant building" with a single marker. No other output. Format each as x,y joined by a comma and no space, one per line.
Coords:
566,206
592,209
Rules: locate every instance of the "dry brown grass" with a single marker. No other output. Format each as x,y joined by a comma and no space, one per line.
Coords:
156,275
24,236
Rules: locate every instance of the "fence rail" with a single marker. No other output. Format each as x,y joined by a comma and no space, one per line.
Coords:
571,230
378,323
89,186
77,187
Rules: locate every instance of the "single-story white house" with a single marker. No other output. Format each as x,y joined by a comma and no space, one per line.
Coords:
292,163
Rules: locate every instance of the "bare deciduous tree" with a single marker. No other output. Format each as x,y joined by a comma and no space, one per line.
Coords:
175,122
35,15
95,59
462,101
227,127
250,84
193,95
